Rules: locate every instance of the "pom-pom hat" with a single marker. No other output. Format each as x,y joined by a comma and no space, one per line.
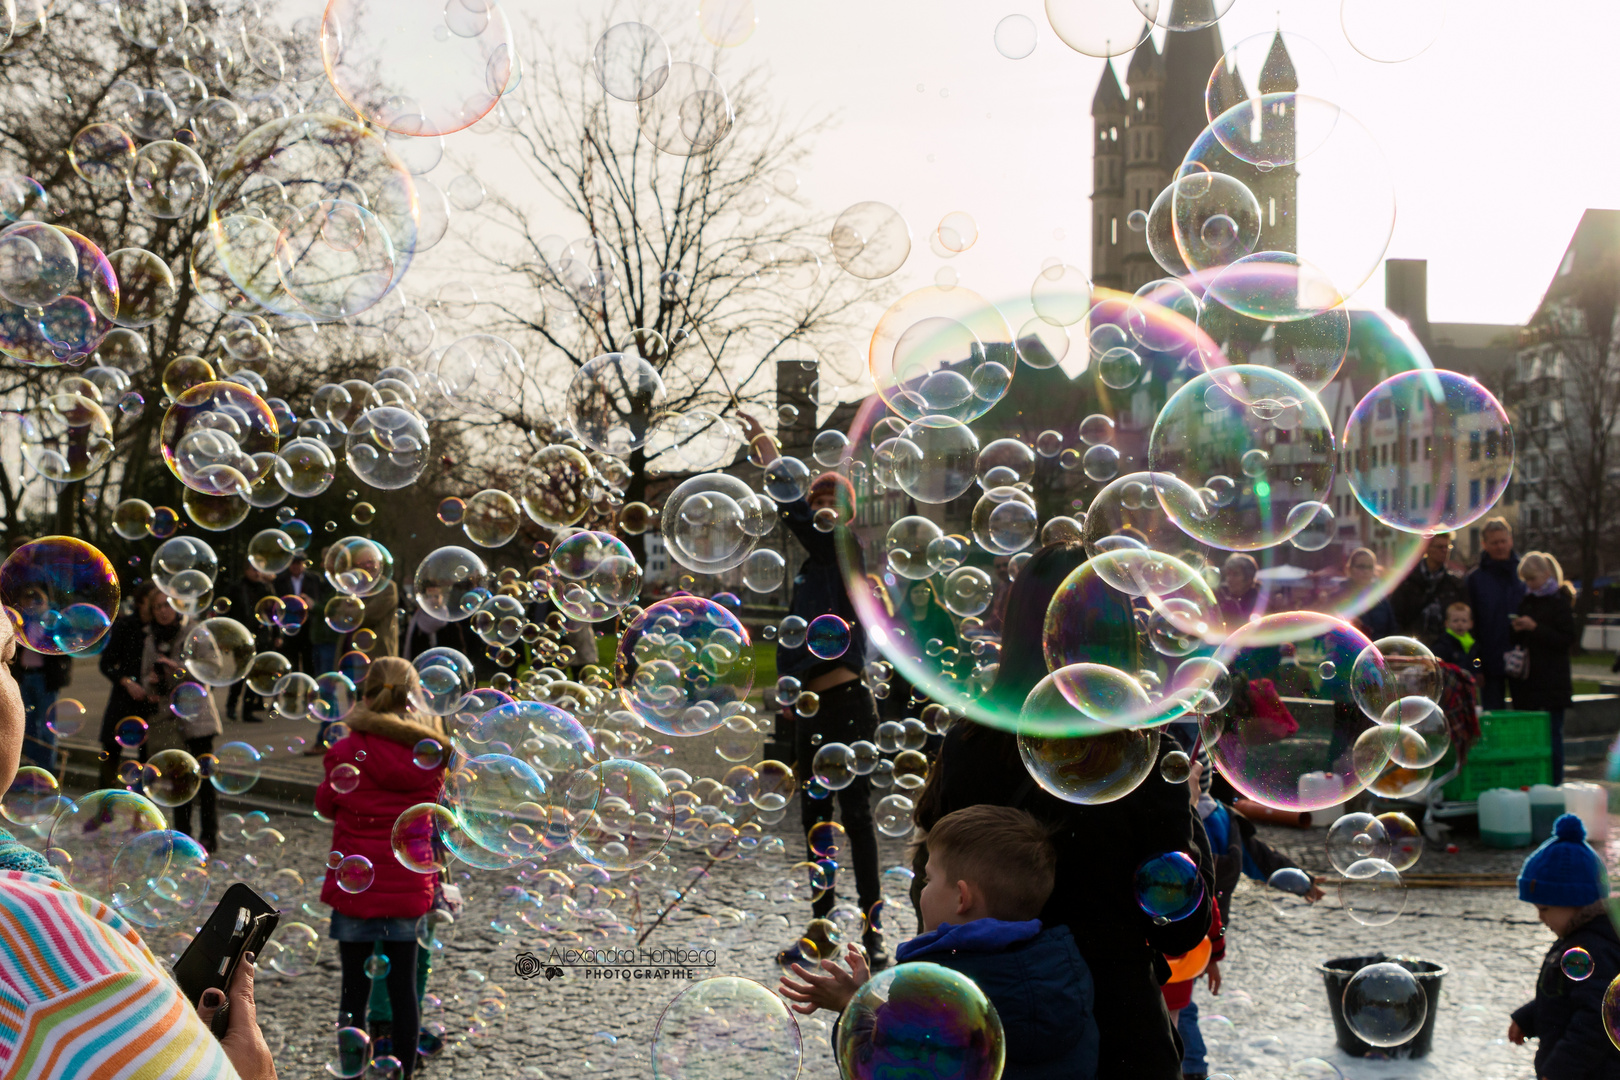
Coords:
1564,871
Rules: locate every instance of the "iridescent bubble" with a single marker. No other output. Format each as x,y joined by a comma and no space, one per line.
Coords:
1168,887
683,667
920,1012
942,351
1576,964
726,1025
87,838
1384,1005
1354,837
451,583
60,593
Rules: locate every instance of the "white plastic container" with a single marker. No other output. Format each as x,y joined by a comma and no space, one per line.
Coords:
1590,803
1546,805
1314,786
1504,818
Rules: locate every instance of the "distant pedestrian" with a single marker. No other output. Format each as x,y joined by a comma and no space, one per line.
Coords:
1239,591
1566,881
120,662
1494,592
1377,619
1544,627
1420,602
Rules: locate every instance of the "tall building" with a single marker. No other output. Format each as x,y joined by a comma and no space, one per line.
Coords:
1142,132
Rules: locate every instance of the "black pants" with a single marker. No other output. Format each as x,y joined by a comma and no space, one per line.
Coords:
209,837
401,993
112,751
847,714
253,704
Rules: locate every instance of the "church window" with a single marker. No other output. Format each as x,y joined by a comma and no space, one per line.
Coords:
1273,204
1113,230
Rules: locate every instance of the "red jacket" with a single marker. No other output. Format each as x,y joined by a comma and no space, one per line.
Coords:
363,819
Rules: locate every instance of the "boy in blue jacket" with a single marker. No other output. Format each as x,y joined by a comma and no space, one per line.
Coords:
990,870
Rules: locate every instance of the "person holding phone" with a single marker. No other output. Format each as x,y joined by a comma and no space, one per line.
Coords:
379,775
91,1003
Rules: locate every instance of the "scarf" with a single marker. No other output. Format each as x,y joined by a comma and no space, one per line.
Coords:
1548,588
1465,639
14,856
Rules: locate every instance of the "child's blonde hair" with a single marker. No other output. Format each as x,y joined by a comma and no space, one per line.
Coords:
389,685
1541,560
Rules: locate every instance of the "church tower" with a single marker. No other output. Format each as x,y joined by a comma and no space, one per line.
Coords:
1108,228
1146,170
1278,188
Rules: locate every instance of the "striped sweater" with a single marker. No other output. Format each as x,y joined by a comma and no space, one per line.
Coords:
81,996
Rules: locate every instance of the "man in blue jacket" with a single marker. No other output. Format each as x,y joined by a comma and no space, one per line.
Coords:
990,871
1494,592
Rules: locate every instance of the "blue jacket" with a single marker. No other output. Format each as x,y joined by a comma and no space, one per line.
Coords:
818,589
1037,981
1494,592
1566,1017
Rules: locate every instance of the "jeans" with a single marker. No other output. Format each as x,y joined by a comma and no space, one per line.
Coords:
39,743
847,714
1555,718
1192,1041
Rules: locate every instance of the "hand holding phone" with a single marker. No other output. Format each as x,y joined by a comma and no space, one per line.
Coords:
241,924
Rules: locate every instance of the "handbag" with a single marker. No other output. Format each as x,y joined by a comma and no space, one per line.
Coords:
1516,662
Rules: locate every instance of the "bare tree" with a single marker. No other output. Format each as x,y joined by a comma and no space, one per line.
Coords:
692,252
1566,397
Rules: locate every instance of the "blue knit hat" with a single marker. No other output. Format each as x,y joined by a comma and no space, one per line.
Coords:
1564,871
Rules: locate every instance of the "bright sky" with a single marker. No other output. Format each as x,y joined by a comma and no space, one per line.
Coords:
1497,135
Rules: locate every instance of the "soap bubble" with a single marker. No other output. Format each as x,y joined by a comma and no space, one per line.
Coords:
1192,441
413,835
711,523
211,433
38,263
942,351
626,812
597,576
631,61
688,114
934,459
725,1026
1417,733
1384,1005
388,447
171,777
354,874
427,71
683,666
1372,892
236,768
451,583
33,798
492,518
1391,34
218,651
833,767
358,566
60,593
557,486
1086,769
613,399
1169,887
1454,464
1294,756
169,180
920,1012
1354,837
1405,840
1577,964
66,437
159,877
133,518
1175,767
870,240
827,637
764,570
87,838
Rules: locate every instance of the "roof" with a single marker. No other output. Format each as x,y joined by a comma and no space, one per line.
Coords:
1109,100
1278,75
1593,254
1146,63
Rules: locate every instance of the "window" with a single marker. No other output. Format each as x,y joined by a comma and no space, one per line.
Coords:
1473,446
1427,494
1490,443
1473,494
1386,408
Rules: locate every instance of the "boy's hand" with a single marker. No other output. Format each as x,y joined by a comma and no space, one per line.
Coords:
1515,1035
830,991
1214,977
1314,894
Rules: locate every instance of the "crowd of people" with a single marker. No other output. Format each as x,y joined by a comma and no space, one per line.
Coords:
1013,886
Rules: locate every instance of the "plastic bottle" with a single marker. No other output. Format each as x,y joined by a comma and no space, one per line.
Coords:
1590,803
1504,818
1546,803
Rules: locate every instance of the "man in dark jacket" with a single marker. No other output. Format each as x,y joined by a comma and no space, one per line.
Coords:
990,871
245,597
301,579
846,711
1494,592
1420,602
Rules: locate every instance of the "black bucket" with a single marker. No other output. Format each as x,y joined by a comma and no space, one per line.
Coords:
1338,973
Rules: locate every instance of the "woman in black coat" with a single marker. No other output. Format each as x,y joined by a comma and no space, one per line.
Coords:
1099,846
1545,628
121,665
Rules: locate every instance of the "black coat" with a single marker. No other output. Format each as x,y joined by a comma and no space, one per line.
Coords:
818,589
1099,849
120,660
1494,592
1548,686
1567,1015
1421,600
314,587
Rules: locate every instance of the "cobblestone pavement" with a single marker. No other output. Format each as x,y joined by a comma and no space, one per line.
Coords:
576,1026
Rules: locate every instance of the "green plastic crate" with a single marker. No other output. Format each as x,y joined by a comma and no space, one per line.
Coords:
1484,774
1506,734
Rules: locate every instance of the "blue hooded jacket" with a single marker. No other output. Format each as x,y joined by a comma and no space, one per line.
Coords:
1037,981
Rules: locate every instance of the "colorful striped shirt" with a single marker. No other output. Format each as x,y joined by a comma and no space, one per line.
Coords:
82,997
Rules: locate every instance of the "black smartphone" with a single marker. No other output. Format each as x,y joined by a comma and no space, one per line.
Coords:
242,923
